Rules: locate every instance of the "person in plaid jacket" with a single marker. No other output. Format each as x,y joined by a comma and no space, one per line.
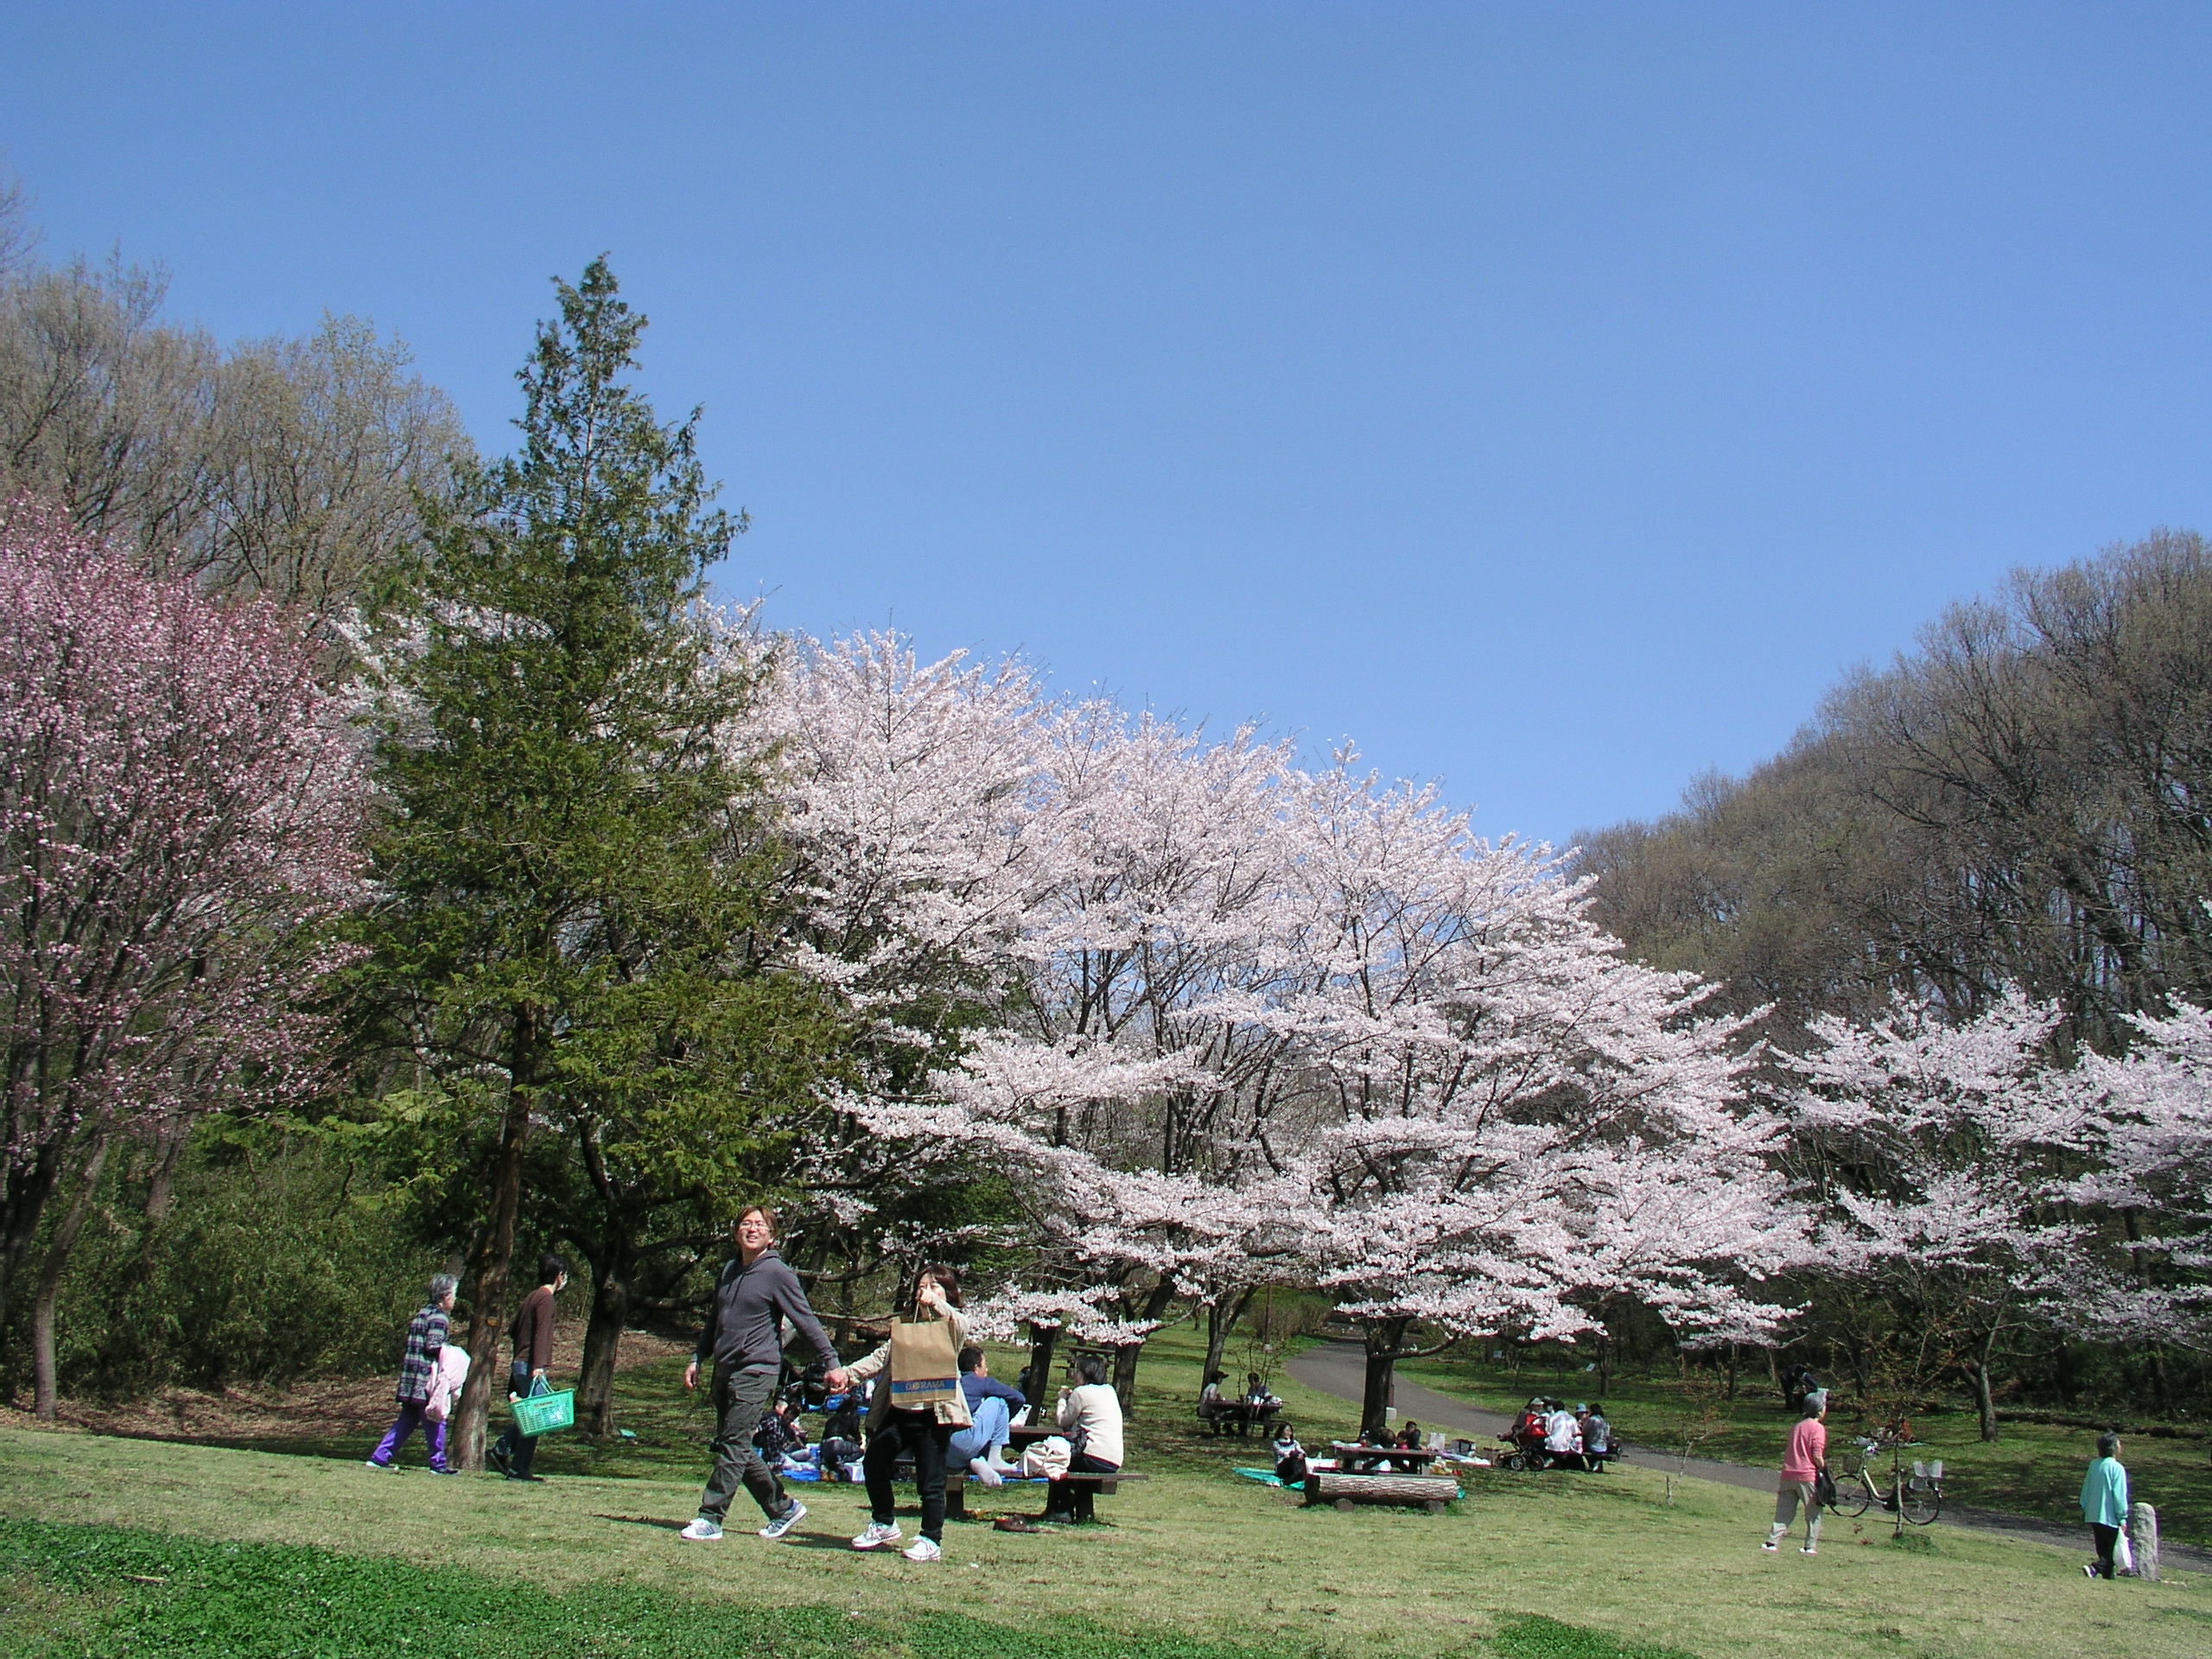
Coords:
418,1374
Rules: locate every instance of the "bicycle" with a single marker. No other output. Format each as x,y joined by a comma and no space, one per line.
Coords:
1918,1497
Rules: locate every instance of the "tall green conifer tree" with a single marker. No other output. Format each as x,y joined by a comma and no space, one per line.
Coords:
574,876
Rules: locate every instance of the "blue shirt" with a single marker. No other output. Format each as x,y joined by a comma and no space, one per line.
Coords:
974,1389
2104,1494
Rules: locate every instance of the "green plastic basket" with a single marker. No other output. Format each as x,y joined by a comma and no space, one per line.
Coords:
541,1412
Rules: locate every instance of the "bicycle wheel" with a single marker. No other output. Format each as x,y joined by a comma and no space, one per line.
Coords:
1923,1500
1852,1496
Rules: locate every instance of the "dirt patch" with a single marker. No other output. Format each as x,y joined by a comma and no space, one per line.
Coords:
318,1409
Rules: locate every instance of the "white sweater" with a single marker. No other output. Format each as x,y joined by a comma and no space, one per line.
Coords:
1096,1410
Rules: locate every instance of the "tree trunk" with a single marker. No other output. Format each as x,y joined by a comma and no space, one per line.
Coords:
22,1205
1125,1375
1125,1359
1324,1486
160,1179
1384,1338
1731,1370
1985,1396
610,1316
1221,1320
493,1266
49,1281
1043,1339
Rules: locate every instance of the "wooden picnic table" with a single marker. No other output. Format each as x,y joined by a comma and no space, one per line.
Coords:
1243,1416
1355,1458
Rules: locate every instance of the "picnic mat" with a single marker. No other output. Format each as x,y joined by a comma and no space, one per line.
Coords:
1265,1477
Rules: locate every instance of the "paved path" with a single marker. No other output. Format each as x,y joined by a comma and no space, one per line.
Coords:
1340,1368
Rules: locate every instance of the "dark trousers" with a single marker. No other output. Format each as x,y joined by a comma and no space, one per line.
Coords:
2108,1538
1070,1500
516,1446
739,1400
410,1417
902,1433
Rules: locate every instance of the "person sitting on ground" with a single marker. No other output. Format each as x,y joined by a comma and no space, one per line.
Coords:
1562,1438
1291,1468
1597,1438
1090,1414
992,1404
418,1376
781,1433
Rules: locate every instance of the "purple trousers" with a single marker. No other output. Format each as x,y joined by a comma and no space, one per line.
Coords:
410,1415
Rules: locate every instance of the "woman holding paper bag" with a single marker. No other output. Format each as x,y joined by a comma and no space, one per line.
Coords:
918,1405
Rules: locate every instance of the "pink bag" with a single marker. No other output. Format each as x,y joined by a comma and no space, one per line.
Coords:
445,1387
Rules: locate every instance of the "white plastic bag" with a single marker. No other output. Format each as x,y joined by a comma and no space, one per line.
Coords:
1048,1457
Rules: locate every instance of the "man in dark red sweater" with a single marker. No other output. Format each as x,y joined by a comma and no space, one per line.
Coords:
533,1335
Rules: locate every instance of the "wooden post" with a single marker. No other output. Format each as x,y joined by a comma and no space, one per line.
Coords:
2143,1539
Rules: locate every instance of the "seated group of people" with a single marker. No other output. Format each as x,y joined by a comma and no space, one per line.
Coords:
1089,1415
1257,1404
1547,1434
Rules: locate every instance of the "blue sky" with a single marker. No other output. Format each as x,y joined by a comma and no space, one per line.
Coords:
1554,398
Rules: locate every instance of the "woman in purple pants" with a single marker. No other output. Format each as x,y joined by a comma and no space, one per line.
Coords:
418,1373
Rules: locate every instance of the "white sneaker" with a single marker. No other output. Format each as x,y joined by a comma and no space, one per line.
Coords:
922,1549
701,1531
876,1536
1770,1549
372,1464
1808,1550
793,1511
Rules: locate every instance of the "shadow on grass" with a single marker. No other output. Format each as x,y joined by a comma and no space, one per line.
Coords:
658,1523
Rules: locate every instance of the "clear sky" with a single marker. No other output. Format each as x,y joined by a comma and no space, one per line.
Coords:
1554,398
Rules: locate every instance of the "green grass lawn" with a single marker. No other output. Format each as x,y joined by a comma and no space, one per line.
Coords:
2032,1469
111,1546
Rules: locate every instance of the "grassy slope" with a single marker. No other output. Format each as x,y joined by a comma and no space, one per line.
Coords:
1194,1554
2031,1469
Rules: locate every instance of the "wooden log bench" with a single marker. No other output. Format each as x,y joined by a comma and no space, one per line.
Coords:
1347,1491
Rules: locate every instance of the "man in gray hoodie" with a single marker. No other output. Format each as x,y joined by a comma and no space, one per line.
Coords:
744,1336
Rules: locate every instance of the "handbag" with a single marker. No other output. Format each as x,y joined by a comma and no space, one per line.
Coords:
925,1366
1824,1492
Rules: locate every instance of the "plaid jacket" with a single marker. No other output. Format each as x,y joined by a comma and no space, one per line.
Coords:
426,1335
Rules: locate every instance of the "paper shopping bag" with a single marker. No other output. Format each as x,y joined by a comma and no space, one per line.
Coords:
924,1369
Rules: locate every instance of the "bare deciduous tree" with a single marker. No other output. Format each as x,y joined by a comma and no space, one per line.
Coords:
288,469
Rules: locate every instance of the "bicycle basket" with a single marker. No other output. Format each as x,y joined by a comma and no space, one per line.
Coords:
541,1412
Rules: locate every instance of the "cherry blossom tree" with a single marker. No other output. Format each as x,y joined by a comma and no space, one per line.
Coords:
2150,1121
1522,1121
1951,1161
179,811
1225,1023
